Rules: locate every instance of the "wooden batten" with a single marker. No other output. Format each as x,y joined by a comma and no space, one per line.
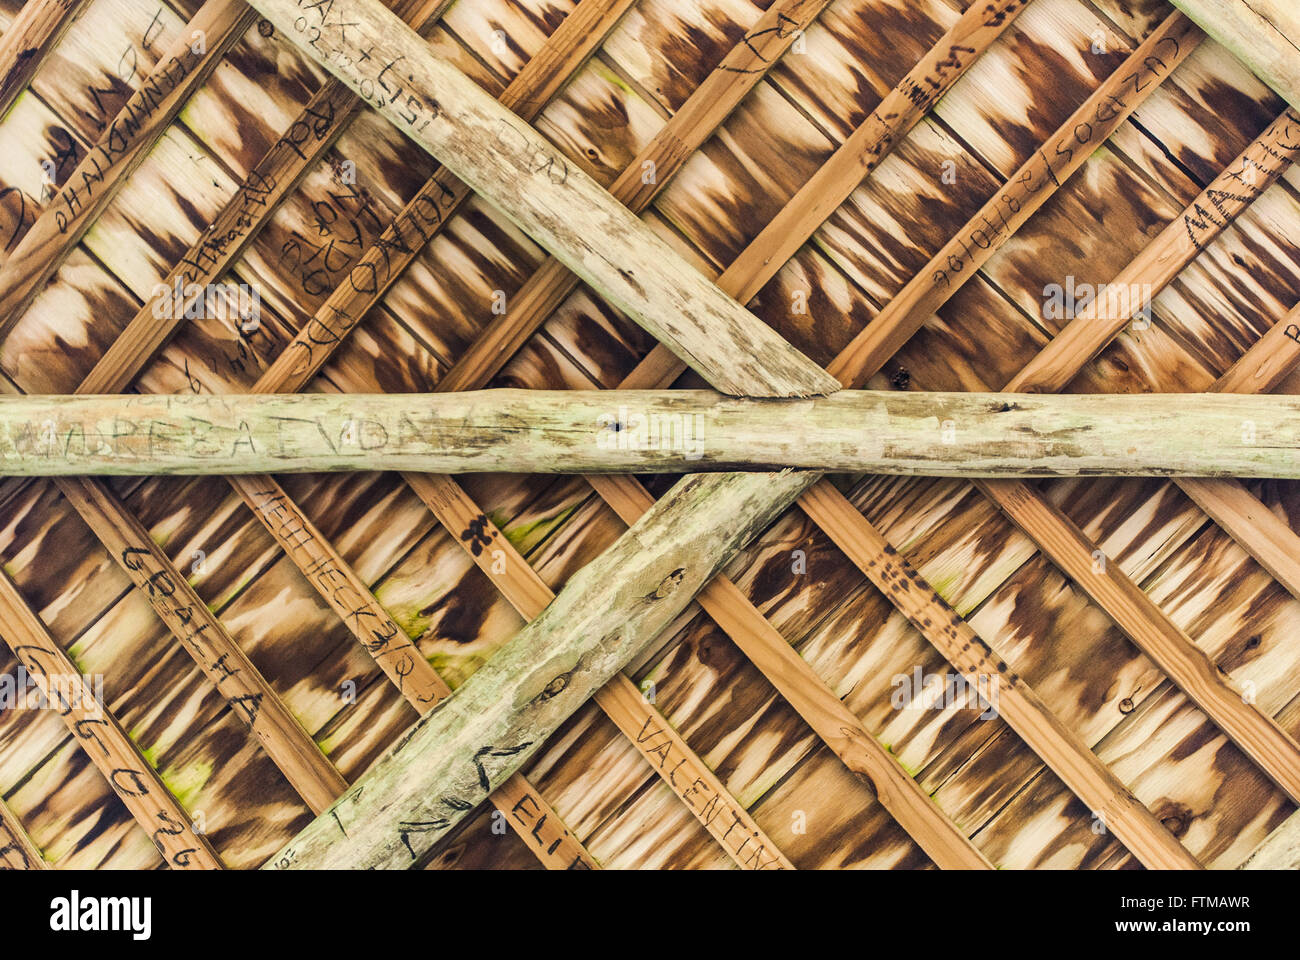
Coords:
613,607
648,431
1263,33
846,221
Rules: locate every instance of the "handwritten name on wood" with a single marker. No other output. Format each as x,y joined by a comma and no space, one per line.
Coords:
508,163
105,742
1027,189
938,434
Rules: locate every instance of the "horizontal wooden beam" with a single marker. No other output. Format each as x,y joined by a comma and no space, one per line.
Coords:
508,163
1263,34
454,756
653,431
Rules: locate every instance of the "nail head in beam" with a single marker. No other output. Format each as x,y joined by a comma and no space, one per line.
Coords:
510,165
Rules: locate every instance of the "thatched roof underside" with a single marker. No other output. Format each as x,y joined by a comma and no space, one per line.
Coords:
459,585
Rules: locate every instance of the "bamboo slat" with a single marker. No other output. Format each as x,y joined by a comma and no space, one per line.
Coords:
124,144
33,33
505,161
102,738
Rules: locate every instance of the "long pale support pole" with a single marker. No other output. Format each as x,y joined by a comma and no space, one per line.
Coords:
654,431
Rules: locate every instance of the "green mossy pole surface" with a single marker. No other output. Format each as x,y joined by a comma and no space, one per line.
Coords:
654,431
453,757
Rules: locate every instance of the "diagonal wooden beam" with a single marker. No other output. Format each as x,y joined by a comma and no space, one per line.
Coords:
1264,34
1027,189
125,142
102,738
855,746
1228,195
203,636
1131,609
610,609
653,431
508,163
1150,841
17,851
1257,529
37,30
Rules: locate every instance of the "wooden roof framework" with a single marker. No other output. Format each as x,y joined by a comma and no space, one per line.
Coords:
1181,667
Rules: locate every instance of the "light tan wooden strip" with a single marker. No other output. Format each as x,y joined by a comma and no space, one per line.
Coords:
423,217
36,30
641,180
507,162
17,851
1013,699
118,152
206,640
1257,168
1260,532
102,738
1026,190
1148,627
280,170
819,706
838,727
1265,34
608,611
688,776
455,510
1277,754
1268,361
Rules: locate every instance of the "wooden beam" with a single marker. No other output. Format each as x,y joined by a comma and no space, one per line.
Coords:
101,736
282,167
271,179
181,70
1258,167
1264,34
251,698
524,808
1280,849
1024,192
455,756
509,164
17,851
31,36
653,431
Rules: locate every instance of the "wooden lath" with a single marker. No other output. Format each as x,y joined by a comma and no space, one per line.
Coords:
774,271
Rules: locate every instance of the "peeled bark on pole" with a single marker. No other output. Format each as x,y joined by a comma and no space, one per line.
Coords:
454,756
654,431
